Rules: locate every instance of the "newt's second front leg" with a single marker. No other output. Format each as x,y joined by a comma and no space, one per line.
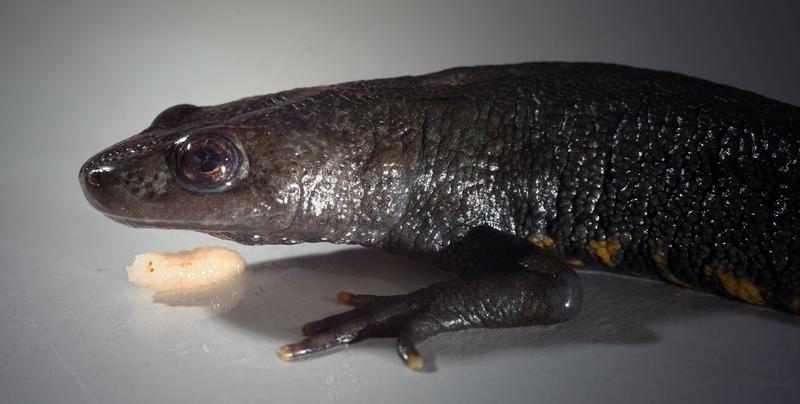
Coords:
507,282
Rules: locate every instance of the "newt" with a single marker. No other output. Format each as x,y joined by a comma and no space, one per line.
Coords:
510,176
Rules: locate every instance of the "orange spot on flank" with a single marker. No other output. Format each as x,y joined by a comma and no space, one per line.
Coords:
674,279
605,250
541,241
574,262
735,286
796,304
659,257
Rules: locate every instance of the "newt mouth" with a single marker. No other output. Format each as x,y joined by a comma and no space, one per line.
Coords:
223,230
162,223
237,234
177,224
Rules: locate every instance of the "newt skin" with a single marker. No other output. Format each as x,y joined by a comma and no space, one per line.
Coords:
508,175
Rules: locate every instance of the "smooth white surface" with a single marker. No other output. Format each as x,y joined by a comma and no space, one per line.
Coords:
77,77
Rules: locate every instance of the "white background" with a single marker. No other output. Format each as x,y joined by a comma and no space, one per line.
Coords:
79,76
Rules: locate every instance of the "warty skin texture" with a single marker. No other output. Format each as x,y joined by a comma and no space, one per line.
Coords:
631,170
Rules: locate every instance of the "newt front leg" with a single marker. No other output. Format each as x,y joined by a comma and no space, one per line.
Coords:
509,282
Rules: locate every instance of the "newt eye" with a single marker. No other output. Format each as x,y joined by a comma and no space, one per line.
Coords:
206,163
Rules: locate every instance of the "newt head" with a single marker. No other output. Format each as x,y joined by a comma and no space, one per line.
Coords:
271,169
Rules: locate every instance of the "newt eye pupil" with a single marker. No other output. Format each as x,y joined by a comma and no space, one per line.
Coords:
205,160
206,163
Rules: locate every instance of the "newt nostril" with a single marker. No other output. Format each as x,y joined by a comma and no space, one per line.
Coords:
93,178
94,181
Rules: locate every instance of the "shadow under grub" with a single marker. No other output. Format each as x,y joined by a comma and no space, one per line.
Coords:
282,295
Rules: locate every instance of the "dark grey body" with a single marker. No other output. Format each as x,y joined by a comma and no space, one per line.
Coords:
638,171
706,175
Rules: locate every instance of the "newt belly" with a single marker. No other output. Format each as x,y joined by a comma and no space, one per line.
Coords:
508,175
